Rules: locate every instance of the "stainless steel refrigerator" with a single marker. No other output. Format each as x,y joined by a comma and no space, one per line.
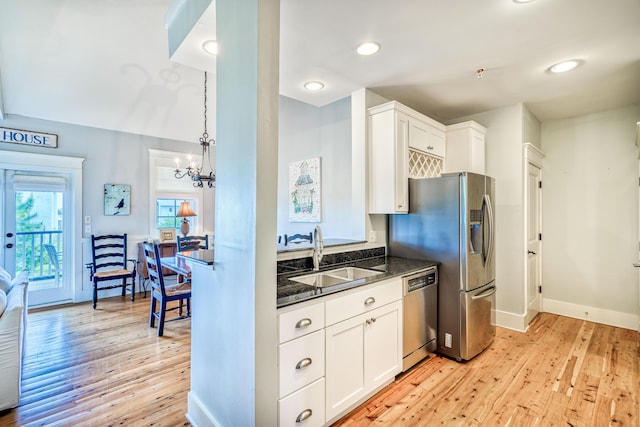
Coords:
451,220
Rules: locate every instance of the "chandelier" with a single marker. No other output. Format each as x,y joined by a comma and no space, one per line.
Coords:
197,173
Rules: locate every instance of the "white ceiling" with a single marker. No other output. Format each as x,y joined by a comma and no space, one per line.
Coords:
104,63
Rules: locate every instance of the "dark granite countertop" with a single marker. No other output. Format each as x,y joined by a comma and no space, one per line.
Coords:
290,292
201,256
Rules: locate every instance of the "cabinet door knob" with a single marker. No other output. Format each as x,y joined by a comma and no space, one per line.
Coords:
304,415
304,363
303,323
369,301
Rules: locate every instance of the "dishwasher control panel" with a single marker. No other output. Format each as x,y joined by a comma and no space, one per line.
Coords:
421,279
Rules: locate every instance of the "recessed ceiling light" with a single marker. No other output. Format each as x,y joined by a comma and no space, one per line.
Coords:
211,47
315,85
564,66
368,48
522,1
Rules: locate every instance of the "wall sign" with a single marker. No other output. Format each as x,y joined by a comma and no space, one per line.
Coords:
26,137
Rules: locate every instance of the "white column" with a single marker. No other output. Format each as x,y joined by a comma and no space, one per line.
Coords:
234,334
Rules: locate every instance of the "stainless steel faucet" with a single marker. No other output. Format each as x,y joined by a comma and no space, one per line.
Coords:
318,248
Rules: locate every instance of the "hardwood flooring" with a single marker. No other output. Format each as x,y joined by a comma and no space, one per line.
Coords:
103,367
106,367
562,372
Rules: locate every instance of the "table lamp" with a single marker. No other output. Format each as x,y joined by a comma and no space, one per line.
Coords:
185,211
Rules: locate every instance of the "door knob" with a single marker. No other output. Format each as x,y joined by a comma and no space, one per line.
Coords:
531,253
9,245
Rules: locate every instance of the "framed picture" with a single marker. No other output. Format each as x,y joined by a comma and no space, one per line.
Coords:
167,234
117,199
304,191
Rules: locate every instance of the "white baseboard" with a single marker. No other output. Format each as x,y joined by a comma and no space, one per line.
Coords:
516,322
197,414
592,314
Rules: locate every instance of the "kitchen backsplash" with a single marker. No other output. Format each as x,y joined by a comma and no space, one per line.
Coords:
291,265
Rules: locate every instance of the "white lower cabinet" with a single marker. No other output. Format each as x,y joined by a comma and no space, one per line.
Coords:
305,407
301,366
362,354
337,351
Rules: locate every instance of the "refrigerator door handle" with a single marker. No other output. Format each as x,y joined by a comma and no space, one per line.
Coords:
487,202
487,293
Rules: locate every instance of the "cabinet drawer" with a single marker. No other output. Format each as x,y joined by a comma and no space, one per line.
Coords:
369,298
305,405
303,321
301,362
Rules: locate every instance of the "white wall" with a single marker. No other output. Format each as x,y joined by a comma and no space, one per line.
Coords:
305,132
110,157
372,228
590,216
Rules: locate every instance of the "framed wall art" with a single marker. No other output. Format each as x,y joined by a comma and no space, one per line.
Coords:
167,234
304,190
117,199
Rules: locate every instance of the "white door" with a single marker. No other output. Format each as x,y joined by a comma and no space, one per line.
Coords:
534,243
35,220
637,263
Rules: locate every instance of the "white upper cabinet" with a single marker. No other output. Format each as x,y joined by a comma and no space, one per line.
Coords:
465,148
426,137
394,131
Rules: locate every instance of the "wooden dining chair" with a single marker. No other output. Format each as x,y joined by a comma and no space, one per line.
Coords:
192,243
110,264
298,238
162,293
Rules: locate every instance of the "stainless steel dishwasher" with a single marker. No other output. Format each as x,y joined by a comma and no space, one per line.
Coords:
420,316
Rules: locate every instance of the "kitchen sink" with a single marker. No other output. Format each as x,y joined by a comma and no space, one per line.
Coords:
335,277
353,273
319,280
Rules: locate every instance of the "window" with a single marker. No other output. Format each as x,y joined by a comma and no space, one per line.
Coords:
166,193
166,210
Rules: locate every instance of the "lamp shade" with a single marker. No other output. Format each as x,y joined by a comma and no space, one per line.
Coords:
185,210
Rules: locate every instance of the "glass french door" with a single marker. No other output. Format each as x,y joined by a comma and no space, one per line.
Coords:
34,233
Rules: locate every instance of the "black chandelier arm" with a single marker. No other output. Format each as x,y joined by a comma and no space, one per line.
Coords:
196,173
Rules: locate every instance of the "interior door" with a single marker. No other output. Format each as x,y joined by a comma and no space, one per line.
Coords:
34,237
534,242
637,263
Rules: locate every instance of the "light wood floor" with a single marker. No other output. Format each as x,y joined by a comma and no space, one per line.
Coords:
562,372
103,367
106,367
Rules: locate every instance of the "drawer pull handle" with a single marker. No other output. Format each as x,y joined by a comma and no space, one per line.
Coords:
304,415
369,301
303,323
304,363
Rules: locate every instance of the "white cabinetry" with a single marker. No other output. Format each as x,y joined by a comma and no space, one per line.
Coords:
301,356
394,130
427,136
465,148
363,345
